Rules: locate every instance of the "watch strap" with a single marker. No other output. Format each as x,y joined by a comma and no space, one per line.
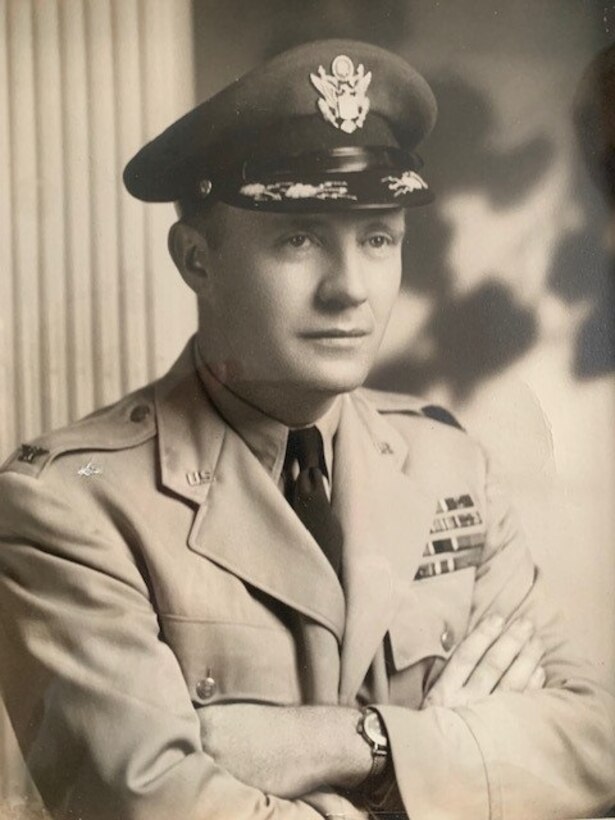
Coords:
380,752
379,764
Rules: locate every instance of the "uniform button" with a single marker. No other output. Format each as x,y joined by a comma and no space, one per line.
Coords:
206,688
447,638
205,186
140,412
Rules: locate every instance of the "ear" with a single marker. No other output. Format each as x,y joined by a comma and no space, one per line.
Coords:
190,252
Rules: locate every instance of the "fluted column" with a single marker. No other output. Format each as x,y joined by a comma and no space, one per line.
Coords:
90,306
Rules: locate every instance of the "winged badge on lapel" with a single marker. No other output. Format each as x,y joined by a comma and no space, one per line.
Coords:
456,538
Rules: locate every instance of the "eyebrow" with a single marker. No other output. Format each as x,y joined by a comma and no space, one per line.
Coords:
383,225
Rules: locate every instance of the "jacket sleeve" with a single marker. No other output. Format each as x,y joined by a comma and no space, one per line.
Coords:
96,698
544,754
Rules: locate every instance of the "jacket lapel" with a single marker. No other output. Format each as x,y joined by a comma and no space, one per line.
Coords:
190,432
386,516
243,522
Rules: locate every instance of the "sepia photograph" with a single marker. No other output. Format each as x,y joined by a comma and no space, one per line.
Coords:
307,409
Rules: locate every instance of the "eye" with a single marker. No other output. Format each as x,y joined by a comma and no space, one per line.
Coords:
378,241
298,240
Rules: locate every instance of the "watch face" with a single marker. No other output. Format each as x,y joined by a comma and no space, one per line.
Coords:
373,728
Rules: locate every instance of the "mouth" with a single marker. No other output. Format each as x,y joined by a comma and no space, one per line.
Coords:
336,333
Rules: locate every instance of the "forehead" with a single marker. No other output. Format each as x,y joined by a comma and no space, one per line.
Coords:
248,222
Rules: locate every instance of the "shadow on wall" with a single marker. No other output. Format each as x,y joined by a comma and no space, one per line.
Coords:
474,335
387,22
583,270
583,273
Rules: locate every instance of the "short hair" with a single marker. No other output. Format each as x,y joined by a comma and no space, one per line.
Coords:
208,220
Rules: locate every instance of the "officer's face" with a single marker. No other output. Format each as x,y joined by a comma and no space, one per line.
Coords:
300,302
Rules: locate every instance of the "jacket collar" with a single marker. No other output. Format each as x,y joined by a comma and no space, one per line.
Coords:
190,432
244,524
264,435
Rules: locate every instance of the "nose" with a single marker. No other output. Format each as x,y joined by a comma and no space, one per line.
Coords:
343,283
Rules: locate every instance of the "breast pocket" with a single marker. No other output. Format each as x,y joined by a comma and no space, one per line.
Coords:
223,662
432,619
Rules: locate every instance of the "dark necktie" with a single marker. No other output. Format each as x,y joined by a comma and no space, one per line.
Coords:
307,494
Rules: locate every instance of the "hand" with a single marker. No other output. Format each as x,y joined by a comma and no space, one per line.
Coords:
335,807
490,659
286,751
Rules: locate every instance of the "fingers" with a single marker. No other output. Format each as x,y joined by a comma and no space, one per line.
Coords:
524,672
500,657
538,679
447,690
490,659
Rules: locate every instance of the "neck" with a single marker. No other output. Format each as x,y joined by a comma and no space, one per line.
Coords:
291,406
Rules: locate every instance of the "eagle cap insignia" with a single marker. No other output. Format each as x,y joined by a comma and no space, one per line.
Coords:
343,102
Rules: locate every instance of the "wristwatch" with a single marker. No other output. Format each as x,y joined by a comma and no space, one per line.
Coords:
372,730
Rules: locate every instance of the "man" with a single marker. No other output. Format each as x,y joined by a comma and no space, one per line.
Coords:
253,590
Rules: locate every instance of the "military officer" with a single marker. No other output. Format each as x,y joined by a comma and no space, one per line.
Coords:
254,589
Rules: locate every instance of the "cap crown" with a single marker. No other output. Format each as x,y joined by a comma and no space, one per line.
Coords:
324,124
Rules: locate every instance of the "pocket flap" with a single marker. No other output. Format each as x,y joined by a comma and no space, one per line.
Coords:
223,661
432,618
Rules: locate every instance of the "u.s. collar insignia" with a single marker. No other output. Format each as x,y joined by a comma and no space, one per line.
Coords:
343,101
28,453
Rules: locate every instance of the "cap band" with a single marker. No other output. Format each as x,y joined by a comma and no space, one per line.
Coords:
338,178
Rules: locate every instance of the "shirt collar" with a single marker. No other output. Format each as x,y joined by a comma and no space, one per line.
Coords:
265,436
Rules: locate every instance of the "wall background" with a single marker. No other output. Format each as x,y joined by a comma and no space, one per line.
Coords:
507,298
89,304
86,287
507,308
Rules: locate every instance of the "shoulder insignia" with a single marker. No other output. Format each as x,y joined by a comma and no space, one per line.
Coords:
437,413
386,403
28,453
406,405
127,423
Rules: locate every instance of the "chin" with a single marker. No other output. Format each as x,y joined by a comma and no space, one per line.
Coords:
335,381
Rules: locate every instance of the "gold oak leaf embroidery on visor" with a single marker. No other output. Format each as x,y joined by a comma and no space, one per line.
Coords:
278,191
408,182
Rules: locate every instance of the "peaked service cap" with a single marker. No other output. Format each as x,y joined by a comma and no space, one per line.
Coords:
328,125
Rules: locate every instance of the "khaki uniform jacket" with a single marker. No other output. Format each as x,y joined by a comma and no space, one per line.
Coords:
150,567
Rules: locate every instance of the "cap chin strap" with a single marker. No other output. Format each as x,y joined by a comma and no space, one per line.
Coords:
351,159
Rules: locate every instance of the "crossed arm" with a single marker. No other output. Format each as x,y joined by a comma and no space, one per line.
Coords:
118,734
255,743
